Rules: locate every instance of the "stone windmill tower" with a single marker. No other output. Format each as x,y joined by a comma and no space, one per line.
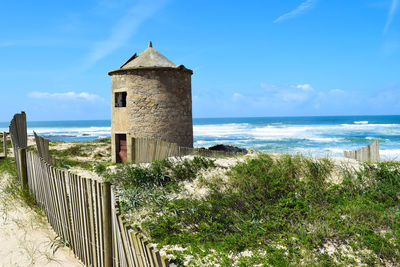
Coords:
152,98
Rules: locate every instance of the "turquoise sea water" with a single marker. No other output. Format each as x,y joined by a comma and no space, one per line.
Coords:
317,136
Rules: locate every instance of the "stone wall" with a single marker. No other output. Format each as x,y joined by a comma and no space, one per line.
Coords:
159,105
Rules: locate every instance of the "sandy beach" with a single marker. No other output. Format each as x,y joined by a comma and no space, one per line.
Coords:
26,238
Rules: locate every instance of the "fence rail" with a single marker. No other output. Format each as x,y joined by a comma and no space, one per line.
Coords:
42,145
83,211
19,139
364,154
4,152
148,150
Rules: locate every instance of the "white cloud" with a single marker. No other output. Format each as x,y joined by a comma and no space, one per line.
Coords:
303,7
390,16
236,96
66,96
293,96
288,93
123,30
305,87
290,100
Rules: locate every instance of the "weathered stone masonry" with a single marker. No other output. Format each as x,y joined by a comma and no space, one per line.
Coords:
158,102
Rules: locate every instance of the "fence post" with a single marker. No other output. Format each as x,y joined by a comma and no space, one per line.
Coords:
5,144
23,167
107,226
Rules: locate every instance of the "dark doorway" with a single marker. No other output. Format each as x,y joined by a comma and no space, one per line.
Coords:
121,147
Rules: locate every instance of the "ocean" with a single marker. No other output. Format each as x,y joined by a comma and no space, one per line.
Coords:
313,136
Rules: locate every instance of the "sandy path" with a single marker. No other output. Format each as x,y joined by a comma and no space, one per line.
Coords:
26,239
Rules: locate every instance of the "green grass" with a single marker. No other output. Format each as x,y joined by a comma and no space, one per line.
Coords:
149,186
66,163
73,151
9,144
12,189
105,141
8,166
282,209
65,157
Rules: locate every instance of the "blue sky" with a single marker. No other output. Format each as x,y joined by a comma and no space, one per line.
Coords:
250,58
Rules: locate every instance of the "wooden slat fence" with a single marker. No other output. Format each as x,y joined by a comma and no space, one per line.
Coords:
84,212
368,153
3,145
19,139
18,130
73,206
131,248
148,150
42,145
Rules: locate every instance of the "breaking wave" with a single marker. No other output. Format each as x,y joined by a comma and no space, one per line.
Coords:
317,136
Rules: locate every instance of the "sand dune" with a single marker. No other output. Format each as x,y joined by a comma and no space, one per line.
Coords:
26,239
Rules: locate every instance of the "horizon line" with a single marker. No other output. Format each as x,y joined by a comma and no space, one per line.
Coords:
244,117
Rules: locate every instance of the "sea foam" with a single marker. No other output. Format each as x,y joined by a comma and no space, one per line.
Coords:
317,136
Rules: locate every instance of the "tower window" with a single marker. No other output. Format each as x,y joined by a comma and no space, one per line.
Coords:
120,99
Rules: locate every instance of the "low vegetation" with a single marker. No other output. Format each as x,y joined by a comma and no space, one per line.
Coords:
267,210
82,155
9,144
149,187
12,189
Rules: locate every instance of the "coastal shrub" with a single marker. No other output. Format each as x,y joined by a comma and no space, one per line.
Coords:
73,151
100,168
69,157
67,163
285,208
65,158
106,140
139,186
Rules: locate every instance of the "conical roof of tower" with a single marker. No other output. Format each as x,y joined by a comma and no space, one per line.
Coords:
149,58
